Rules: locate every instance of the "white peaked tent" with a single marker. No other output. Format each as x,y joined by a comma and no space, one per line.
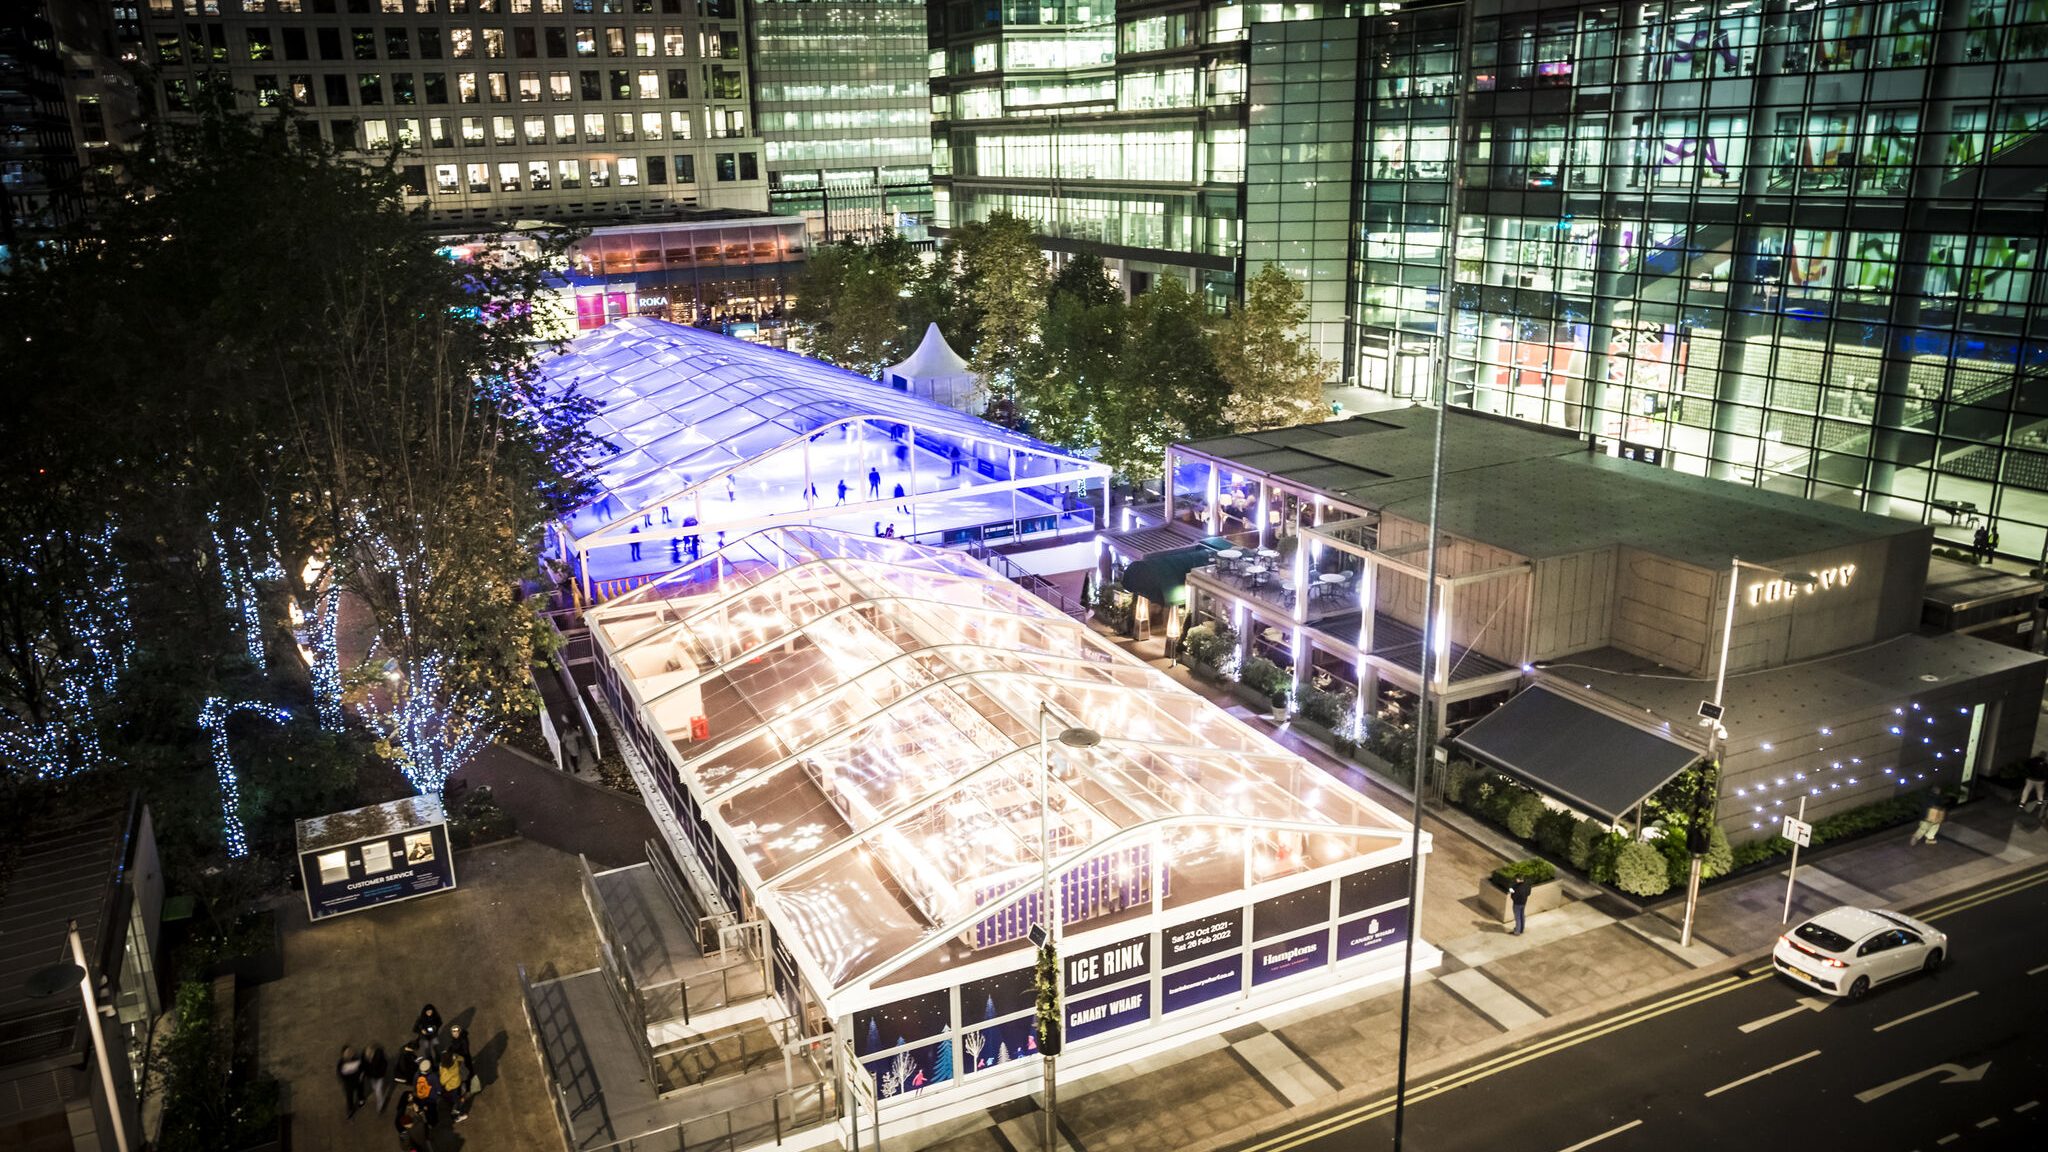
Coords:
934,372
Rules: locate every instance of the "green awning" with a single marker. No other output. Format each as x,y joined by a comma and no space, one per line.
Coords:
1164,577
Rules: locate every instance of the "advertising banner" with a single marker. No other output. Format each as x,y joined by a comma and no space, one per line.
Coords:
1200,939
1289,957
1201,983
399,866
1375,888
1105,966
1098,1014
1357,937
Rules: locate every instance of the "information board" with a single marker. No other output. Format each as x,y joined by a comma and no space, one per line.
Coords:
379,870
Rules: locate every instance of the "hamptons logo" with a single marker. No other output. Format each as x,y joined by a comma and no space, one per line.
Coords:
1277,959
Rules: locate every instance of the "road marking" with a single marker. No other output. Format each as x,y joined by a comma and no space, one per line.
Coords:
1806,1004
1956,1074
2028,1105
1950,1138
1924,1011
1988,1122
1762,1074
1995,892
2037,969
1602,1136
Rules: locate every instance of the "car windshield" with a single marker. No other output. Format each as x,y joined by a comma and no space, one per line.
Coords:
1822,938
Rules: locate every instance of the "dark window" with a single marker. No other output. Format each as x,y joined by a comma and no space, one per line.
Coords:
309,132
558,43
397,44
622,84
592,85
679,83
370,88
437,88
259,44
330,43
344,133
365,41
337,90
523,43
430,43
402,91
217,41
295,44
750,166
657,170
686,169
414,177
728,167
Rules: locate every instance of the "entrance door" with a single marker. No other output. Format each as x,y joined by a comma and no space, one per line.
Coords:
1983,722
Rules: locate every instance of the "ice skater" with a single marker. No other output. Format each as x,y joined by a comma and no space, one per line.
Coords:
635,531
732,488
874,483
842,491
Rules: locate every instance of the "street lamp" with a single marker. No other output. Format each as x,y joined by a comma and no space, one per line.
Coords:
1047,935
74,973
1711,718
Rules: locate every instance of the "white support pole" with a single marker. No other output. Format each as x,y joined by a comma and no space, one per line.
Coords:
115,1111
910,438
1792,873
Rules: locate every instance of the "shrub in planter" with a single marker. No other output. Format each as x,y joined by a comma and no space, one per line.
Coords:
1758,851
1554,831
1640,870
1533,870
1262,676
1500,801
1670,844
1458,778
1209,645
1720,858
1523,813
1278,700
1586,836
1600,863
1329,709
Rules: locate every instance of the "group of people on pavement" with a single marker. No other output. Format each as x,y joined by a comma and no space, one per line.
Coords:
434,1073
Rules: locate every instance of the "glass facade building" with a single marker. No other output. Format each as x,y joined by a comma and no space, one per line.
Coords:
1119,128
1788,244
499,109
841,97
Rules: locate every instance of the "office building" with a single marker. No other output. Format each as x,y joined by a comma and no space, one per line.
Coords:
500,110
841,98
65,103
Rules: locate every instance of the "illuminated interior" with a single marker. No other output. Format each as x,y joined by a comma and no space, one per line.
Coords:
858,722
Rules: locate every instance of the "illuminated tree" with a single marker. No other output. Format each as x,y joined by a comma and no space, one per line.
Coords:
213,720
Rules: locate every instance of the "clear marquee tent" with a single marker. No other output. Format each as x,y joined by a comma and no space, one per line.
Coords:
844,734
717,437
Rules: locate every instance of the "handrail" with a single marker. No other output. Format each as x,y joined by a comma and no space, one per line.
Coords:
1037,585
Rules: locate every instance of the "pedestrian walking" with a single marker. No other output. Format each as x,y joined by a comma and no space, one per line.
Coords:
454,1082
1518,895
411,1127
899,501
427,1028
874,483
377,1074
425,1092
635,531
664,515
954,456
349,1070
842,490
572,749
732,488
2035,790
1930,823
1980,541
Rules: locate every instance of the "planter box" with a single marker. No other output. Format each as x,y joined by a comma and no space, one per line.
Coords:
1542,898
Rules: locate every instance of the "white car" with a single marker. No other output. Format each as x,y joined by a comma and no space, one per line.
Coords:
1847,951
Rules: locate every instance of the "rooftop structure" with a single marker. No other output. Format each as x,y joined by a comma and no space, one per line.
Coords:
717,437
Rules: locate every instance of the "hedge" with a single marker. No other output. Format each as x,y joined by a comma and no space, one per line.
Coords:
1534,870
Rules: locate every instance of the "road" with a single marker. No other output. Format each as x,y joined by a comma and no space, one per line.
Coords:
1957,1061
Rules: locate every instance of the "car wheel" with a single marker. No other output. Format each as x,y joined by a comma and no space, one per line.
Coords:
1859,988
1933,962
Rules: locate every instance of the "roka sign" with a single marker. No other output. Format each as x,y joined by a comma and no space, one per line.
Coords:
1776,591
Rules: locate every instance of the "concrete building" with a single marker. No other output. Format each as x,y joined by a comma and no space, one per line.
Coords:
500,110
65,104
1603,586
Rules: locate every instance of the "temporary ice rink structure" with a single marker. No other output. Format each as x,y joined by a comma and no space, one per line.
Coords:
843,741
717,437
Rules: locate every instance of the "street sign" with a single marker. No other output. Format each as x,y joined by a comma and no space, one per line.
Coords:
1798,831
1710,710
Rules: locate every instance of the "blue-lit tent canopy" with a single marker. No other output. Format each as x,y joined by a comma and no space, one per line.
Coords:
717,436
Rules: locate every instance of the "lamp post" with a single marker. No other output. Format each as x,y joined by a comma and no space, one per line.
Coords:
1717,730
1047,935
75,973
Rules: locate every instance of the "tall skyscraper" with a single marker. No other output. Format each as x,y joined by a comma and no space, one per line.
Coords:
843,101
65,101
500,109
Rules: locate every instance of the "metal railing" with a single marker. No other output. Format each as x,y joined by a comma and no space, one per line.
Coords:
1037,585
754,1124
689,996
710,926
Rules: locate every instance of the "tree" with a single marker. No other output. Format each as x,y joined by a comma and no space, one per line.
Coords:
1063,388
1276,378
858,303
811,315
1168,387
1002,287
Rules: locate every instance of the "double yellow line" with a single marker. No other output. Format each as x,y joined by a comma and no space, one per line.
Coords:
1551,1045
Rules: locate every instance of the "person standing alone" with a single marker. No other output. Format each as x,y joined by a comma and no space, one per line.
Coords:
1518,895
2035,789
349,1070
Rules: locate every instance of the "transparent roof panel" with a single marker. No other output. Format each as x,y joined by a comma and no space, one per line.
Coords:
684,407
861,716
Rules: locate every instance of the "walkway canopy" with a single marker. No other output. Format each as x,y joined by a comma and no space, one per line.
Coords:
719,437
1582,756
857,723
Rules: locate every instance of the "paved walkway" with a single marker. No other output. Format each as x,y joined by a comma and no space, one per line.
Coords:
1493,990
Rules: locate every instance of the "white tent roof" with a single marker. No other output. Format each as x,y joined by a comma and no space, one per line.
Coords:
858,720
934,358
